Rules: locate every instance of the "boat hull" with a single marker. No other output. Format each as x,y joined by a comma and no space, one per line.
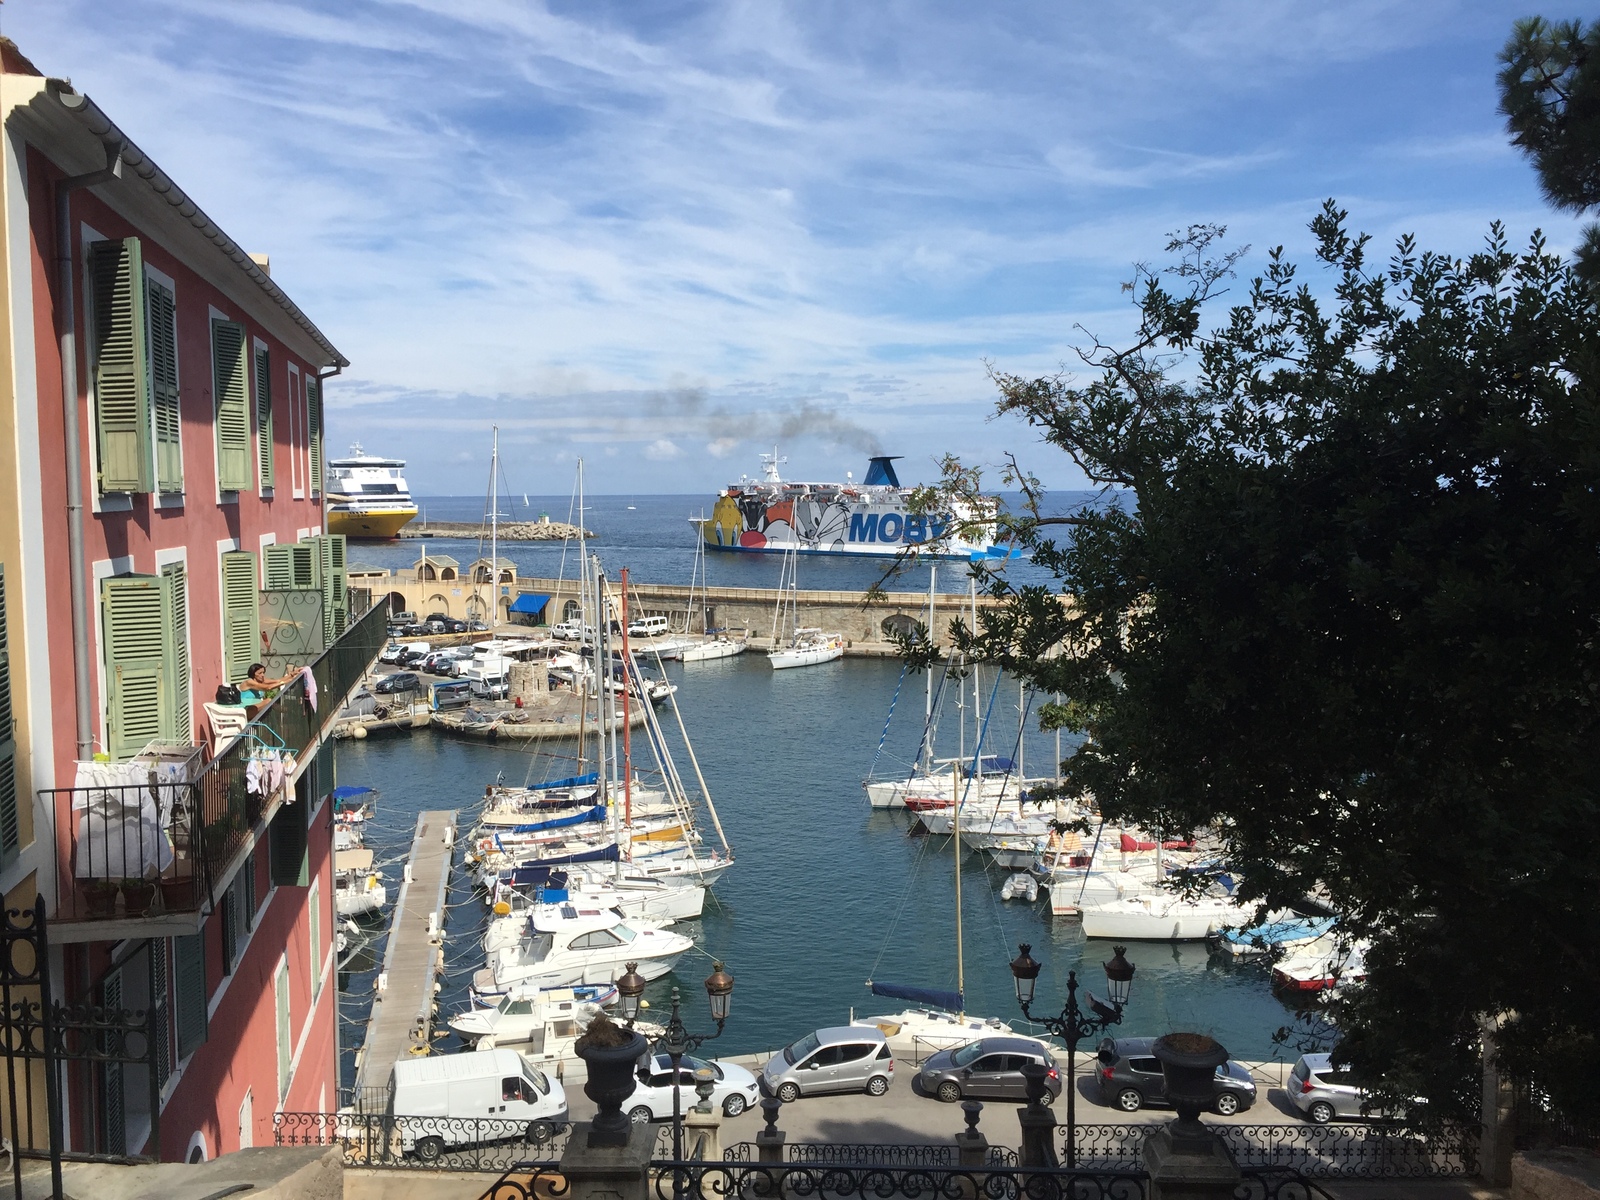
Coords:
783,659
369,523
1137,921
710,651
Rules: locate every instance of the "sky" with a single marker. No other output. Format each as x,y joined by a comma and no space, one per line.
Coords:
664,236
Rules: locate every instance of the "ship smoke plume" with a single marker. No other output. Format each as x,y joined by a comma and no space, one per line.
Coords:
686,411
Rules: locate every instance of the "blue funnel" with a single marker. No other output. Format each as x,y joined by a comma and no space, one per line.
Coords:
880,471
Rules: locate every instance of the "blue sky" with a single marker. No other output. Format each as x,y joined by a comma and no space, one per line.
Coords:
664,235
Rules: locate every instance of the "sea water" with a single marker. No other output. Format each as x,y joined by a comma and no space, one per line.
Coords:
825,894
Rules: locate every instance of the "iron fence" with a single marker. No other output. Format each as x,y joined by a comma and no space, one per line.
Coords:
1277,1185
434,1143
682,1180
1373,1150
864,1154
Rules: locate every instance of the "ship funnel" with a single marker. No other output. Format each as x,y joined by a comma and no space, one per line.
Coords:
880,471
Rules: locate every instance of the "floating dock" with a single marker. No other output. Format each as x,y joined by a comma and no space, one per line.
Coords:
401,1023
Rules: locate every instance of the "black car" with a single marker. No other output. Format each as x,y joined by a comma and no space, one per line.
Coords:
400,681
454,625
988,1069
1130,1077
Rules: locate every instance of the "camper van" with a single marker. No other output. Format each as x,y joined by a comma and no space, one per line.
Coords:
466,1099
489,676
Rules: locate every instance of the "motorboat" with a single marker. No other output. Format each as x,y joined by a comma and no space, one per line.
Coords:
1282,931
1318,966
542,1023
632,892
565,944
1020,886
1162,916
357,888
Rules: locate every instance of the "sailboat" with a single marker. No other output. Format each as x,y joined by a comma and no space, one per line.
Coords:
944,1023
717,644
807,647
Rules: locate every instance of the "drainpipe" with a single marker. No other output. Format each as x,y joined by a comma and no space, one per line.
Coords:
66,333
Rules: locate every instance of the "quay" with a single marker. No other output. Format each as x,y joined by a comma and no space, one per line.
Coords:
401,1023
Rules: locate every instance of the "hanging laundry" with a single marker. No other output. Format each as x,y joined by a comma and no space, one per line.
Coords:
311,687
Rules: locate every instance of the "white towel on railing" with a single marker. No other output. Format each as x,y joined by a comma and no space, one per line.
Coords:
311,687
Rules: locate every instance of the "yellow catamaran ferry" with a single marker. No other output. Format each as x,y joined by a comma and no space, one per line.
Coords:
368,496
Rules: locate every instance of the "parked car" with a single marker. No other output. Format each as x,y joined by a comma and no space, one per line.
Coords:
734,1089
417,630
391,653
400,681
455,625
477,627
649,627
1130,1077
403,618
494,1096
842,1058
988,1069
573,631
1323,1091
440,662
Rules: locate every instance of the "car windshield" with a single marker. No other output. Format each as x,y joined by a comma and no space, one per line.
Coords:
538,1078
801,1049
966,1054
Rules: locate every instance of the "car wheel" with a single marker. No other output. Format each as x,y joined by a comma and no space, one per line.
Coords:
1227,1104
539,1132
1130,1099
1320,1113
877,1085
949,1091
1048,1098
430,1148
640,1114
733,1105
789,1093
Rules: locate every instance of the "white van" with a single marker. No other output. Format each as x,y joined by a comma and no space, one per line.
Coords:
649,627
489,675
465,1099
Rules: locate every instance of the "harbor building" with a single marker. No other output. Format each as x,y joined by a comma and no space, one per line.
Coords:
161,530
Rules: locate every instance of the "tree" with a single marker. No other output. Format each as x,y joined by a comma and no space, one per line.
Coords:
1343,607
1550,95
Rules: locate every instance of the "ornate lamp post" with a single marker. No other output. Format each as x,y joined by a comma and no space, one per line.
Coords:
1074,1024
676,1041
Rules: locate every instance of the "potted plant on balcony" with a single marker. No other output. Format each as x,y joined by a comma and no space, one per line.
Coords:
99,896
138,896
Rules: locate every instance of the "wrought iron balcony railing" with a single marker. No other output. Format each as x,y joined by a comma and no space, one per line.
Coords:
155,848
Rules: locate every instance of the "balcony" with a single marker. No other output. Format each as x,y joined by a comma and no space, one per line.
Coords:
149,857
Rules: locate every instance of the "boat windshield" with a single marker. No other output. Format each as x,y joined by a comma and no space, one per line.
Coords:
966,1054
801,1049
539,945
623,932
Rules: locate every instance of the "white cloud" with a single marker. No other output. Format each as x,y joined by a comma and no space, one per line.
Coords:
662,450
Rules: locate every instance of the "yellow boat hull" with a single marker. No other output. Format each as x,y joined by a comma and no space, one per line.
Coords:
372,523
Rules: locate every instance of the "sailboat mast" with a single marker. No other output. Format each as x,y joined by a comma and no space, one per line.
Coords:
961,963
627,739
494,532
927,695
977,699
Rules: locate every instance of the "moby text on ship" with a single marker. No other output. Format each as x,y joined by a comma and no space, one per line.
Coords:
772,515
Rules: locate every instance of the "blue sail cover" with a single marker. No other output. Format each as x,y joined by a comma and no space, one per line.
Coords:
575,781
344,793
603,854
597,813
950,1001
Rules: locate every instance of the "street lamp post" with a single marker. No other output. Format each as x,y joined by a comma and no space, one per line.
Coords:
1074,1024
676,1041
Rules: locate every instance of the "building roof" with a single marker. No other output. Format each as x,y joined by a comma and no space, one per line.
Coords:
438,560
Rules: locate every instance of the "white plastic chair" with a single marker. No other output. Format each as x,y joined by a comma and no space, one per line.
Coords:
227,721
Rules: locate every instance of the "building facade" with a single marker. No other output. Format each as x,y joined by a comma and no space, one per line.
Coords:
160,531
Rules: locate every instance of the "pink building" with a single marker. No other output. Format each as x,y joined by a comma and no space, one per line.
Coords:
160,531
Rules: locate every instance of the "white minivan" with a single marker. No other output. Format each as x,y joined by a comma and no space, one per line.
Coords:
649,627
464,1099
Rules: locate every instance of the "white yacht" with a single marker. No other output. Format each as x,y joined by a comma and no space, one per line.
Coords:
565,944
368,496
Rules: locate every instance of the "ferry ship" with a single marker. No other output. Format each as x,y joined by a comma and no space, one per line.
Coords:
772,515
368,496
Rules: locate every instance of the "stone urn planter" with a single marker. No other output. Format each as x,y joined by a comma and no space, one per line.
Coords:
610,1051
1189,1063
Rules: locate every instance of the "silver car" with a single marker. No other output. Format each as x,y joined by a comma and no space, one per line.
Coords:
844,1058
1322,1091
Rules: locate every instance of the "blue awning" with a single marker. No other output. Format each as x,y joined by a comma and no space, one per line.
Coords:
527,602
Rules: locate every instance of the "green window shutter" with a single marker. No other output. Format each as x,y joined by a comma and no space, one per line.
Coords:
314,428
189,990
232,399
175,625
162,311
333,579
10,831
305,565
241,614
287,837
264,414
121,379
136,662
278,562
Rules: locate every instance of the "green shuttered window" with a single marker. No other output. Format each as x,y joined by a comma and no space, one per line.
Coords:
175,620
10,831
162,312
189,991
241,614
314,428
291,566
139,692
264,415
231,394
121,375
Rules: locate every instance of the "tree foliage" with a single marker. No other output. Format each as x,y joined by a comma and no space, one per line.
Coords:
1550,95
1347,613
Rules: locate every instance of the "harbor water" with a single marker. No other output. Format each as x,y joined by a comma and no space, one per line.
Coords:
825,894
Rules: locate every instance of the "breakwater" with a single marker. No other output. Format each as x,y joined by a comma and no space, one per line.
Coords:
511,531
